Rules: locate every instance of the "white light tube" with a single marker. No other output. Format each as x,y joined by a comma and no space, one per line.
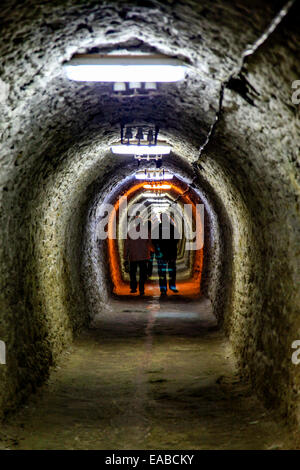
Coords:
141,149
157,186
98,68
158,200
152,194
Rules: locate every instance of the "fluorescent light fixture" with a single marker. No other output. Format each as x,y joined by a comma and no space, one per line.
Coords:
160,203
124,68
160,210
157,186
141,149
152,194
157,200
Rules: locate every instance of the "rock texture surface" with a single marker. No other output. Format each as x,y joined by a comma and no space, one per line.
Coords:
55,165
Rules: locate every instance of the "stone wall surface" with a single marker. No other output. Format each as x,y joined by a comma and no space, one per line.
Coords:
55,168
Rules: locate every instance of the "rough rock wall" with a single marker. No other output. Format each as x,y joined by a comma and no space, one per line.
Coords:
107,190
54,135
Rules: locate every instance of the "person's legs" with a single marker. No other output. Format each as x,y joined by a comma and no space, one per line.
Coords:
150,265
162,273
132,274
143,267
172,274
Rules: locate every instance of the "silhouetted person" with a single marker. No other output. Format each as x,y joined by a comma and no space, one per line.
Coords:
152,251
137,249
166,253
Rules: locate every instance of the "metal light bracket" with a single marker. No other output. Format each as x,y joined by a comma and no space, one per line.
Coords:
139,135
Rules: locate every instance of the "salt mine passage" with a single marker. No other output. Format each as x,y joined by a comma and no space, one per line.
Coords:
155,235
149,234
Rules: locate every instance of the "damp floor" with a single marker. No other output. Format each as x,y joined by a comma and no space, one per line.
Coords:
147,374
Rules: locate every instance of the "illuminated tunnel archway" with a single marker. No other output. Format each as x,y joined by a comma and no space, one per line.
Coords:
187,287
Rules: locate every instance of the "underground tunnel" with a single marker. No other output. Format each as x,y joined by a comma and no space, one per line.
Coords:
85,363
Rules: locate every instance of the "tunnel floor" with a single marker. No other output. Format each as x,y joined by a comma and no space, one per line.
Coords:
186,288
147,374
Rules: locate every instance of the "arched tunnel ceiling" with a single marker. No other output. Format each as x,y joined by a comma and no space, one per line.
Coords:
55,160
37,39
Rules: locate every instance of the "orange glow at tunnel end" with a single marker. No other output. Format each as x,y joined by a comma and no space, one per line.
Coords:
121,287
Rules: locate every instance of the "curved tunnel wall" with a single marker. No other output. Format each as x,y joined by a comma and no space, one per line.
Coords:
55,135
193,258
96,259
